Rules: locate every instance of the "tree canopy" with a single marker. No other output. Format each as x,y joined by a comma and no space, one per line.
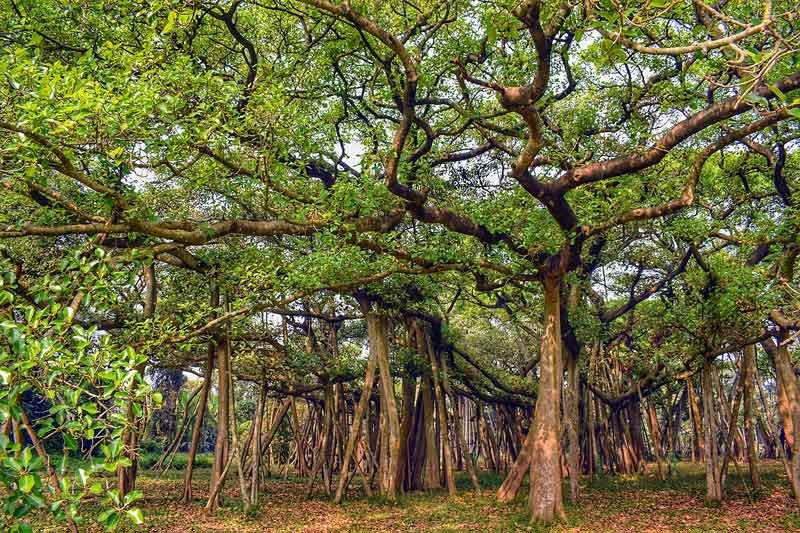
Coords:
522,206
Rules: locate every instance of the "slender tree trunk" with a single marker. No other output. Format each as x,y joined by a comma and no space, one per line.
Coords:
221,446
16,431
546,501
748,371
326,431
298,431
236,448
713,481
258,420
488,442
51,473
655,434
126,475
733,430
277,419
442,411
591,456
571,422
511,484
165,459
697,422
458,430
355,428
197,429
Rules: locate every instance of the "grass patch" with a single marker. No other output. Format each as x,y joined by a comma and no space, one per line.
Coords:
607,503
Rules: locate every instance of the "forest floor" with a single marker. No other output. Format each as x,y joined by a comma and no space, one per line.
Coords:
620,503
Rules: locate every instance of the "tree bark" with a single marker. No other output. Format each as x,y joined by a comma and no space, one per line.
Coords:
571,421
748,371
511,484
546,501
697,421
442,411
221,445
258,420
430,475
377,329
355,428
788,402
655,435
713,481
126,475
458,430
197,429
51,473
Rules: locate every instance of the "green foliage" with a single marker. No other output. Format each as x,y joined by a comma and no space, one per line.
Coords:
88,382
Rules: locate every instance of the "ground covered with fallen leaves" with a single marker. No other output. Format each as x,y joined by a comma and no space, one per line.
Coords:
641,503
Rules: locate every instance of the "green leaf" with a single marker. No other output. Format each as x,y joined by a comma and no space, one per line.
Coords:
171,18
70,442
777,92
6,297
136,516
89,408
27,482
27,457
83,476
133,496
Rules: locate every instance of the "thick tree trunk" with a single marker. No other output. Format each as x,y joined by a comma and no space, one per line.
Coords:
546,502
635,434
748,371
406,425
788,402
430,474
377,330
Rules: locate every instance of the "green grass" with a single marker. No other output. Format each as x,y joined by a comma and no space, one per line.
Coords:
607,503
202,460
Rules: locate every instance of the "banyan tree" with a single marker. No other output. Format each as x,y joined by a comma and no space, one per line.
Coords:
389,241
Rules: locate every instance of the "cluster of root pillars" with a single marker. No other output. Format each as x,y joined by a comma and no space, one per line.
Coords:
412,427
